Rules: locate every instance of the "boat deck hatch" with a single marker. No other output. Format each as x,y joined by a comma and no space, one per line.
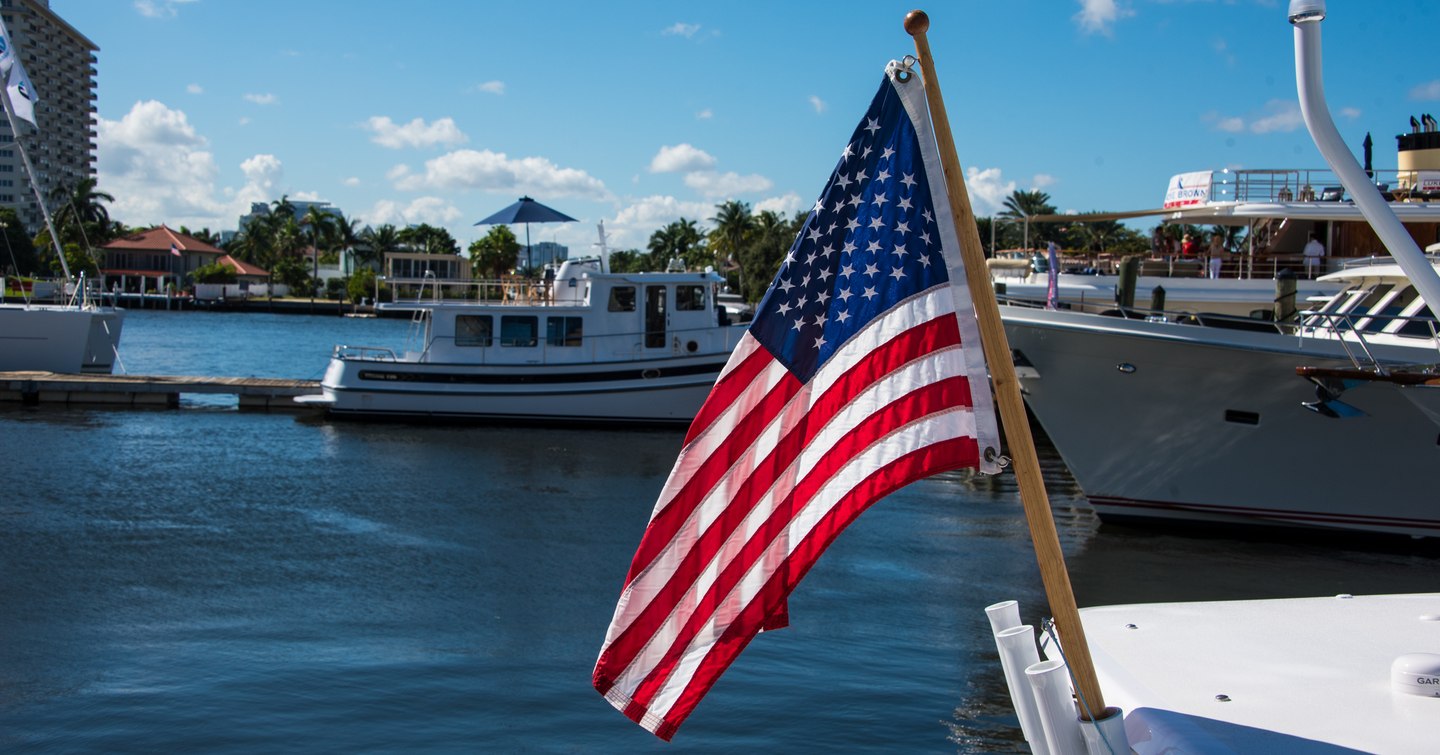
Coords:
1241,417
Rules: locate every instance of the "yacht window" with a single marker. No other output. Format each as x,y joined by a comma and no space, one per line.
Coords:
563,331
1385,319
689,298
473,330
518,330
1420,325
622,299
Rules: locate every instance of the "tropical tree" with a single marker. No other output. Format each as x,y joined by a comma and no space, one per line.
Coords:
773,235
1023,205
204,234
81,216
680,240
20,257
495,253
428,239
375,243
734,228
628,261
321,224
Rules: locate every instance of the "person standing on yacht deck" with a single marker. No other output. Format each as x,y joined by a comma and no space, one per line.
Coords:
1314,254
1217,253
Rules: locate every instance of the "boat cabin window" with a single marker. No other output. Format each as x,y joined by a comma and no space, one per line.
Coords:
1384,319
689,298
518,330
473,330
622,299
1421,324
563,331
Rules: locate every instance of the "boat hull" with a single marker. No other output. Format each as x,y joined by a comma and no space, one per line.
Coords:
655,391
1169,421
59,339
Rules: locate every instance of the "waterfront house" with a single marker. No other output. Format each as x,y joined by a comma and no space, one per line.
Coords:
152,260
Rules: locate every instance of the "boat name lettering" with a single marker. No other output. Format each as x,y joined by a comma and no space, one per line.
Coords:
1427,680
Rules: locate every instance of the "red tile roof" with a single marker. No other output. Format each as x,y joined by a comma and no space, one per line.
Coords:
159,239
243,268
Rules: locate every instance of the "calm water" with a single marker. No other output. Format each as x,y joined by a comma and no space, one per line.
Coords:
206,580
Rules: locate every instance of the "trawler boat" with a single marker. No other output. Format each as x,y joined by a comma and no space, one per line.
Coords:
589,346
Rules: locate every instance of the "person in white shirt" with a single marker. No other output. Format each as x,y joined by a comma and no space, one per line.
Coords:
1314,255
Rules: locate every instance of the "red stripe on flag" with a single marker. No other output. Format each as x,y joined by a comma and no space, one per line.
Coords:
667,524
916,465
728,388
927,400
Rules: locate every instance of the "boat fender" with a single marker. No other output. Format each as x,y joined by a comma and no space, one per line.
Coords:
1416,674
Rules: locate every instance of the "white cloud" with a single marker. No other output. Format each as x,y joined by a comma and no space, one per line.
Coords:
195,89
159,8
397,172
1232,125
263,99
1350,112
432,210
680,158
415,133
351,181
494,171
1283,115
244,120
158,168
632,225
712,184
1099,16
491,87
988,189
705,115
786,204
1277,115
817,103
680,29
1430,90
1042,181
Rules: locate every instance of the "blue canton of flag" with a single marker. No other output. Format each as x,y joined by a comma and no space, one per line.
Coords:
869,243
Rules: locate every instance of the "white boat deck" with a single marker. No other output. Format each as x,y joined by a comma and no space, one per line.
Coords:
1294,675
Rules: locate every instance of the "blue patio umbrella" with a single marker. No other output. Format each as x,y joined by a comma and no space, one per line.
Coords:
526,211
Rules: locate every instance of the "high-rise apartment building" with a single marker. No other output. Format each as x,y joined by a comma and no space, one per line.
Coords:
61,63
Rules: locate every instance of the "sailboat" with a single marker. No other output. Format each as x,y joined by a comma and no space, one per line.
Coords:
79,334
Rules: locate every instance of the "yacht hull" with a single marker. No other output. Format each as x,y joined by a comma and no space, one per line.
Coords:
1170,421
59,339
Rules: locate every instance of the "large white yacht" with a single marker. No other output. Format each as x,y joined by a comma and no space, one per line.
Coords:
79,337
589,346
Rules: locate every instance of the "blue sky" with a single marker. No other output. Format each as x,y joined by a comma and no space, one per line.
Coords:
637,113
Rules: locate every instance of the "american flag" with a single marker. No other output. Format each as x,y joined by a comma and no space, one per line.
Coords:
175,250
850,383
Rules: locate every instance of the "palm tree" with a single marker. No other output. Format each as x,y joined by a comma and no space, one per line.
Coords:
379,242
321,223
734,225
82,217
1024,205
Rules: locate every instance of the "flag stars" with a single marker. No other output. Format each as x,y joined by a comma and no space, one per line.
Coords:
902,228
873,247
880,200
876,223
871,269
820,341
872,125
887,154
897,273
883,175
842,315
905,203
928,217
844,297
848,270
908,180
814,234
924,260
841,179
869,293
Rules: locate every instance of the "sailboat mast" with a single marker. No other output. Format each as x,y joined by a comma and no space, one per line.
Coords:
34,181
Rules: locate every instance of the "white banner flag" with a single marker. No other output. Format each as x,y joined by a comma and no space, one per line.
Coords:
22,93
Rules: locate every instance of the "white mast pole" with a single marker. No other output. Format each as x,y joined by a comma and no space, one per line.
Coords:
30,172
1305,16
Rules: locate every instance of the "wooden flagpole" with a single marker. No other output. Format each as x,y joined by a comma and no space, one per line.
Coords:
1007,391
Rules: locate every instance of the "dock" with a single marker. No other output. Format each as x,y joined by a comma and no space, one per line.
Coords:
149,390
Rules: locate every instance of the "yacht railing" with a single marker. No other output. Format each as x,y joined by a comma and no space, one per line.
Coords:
364,353
1307,185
